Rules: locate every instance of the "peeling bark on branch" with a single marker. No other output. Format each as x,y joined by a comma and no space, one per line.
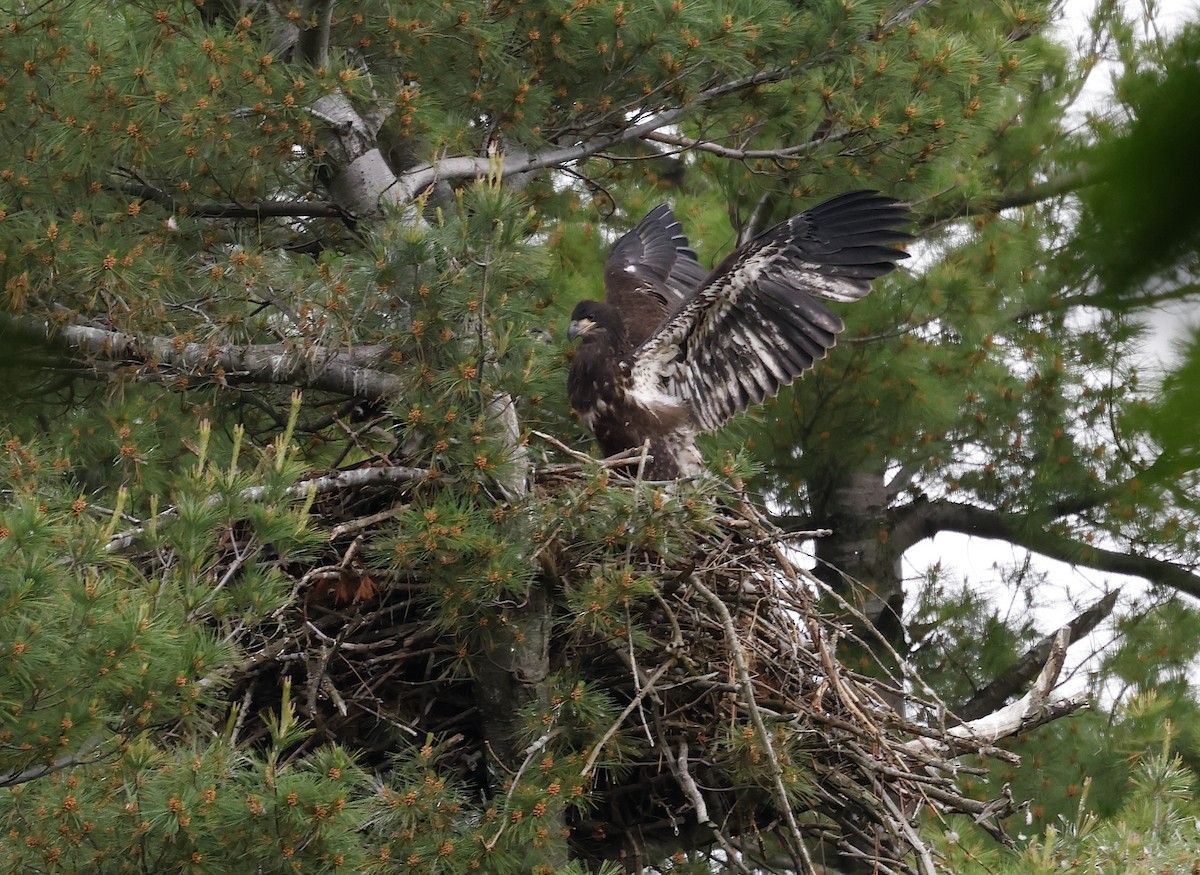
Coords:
352,143
1032,710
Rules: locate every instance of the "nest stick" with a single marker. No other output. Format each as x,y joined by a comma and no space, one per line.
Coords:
739,659
612,730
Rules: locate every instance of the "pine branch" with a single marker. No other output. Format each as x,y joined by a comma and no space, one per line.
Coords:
411,184
135,185
68,761
1070,181
342,480
530,752
287,209
994,695
905,14
598,747
924,519
712,147
320,53
1143,298
345,373
265,210
1082,176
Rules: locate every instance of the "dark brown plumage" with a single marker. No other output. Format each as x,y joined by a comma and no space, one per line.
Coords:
670,353
650,271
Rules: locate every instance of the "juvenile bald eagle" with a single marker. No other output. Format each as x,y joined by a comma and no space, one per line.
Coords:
671,352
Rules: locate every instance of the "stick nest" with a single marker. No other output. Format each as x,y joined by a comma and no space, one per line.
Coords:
731,724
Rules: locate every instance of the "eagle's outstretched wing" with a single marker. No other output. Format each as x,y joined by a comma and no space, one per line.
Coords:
650,272
754,326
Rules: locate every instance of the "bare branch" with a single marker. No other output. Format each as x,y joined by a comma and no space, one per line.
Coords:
692,791
758,219
346,373
81,756
924,519
410,185
747,690
1032,710
629,709
993,696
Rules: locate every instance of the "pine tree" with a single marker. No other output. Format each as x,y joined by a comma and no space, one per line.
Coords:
392,622
1153,830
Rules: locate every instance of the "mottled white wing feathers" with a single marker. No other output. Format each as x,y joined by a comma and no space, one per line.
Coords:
754,326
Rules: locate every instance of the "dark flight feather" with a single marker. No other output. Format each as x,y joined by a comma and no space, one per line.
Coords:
650,272
668,355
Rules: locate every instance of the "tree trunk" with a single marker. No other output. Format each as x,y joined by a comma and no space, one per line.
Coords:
510,677
858,560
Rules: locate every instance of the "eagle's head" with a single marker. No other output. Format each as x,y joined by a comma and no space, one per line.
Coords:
597,321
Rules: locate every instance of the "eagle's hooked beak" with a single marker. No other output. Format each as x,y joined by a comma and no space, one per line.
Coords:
579,327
